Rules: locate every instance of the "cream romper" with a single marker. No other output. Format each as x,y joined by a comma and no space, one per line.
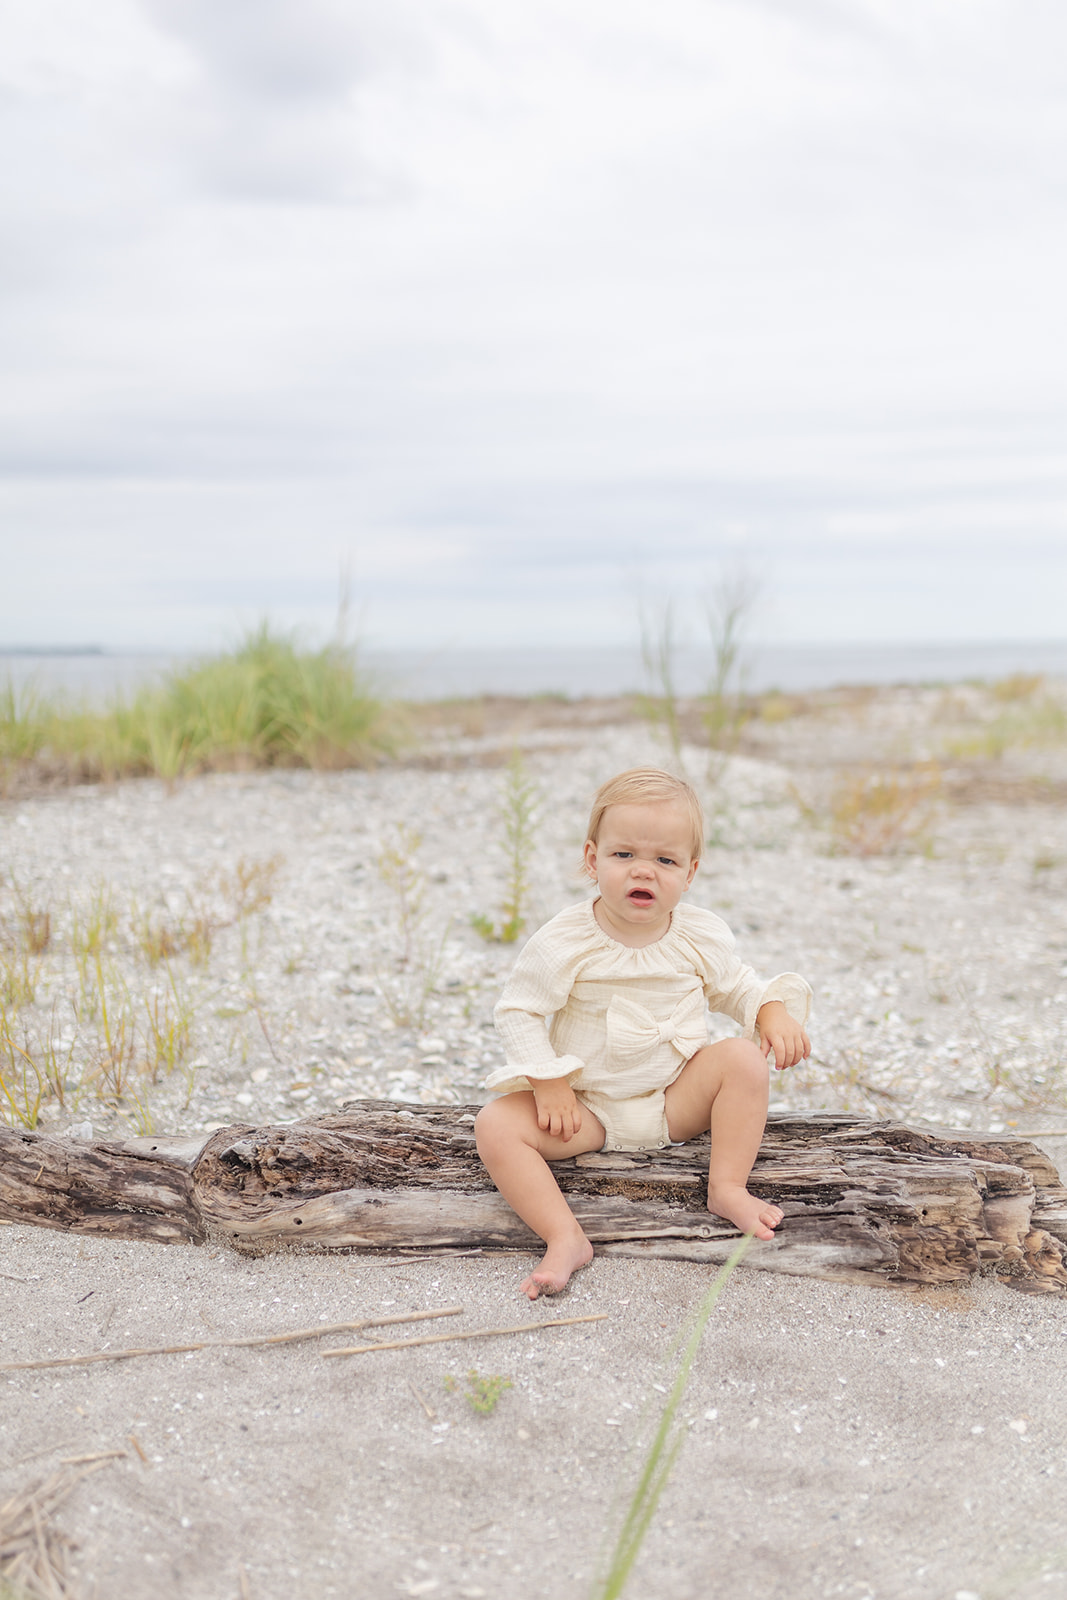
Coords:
619,1023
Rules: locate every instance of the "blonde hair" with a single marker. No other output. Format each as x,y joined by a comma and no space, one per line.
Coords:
644,786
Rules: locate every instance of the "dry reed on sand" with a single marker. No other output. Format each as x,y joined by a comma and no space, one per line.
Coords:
33,1551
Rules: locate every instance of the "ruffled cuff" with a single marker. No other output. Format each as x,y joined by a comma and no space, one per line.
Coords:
794,993
507,1079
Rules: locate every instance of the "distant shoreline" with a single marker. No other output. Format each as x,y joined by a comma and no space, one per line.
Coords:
58,650
449,673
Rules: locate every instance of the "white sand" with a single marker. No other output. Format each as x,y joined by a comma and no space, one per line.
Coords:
844,1441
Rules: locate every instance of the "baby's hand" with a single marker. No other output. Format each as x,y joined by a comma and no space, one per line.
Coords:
558,1111
781,1035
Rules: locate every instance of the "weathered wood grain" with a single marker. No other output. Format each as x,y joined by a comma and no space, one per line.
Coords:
864,1201
97,1188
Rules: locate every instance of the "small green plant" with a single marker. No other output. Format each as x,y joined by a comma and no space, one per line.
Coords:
662,1452
406,990
481,1393
518,811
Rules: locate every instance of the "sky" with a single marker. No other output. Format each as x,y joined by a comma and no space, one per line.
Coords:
528,314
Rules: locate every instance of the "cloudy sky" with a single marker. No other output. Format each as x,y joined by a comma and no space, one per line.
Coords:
522,310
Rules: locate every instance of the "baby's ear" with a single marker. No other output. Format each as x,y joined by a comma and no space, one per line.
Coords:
693,865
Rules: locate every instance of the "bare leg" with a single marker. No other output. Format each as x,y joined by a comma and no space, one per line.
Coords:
725,1087
516,1154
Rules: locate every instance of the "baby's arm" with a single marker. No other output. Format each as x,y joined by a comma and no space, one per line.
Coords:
777,1022
781,1034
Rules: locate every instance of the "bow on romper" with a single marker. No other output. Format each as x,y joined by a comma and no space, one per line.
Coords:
620,1024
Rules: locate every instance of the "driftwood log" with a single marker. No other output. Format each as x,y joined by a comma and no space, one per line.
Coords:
864,1201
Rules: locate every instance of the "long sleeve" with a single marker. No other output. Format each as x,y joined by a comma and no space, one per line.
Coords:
739,992
539,986
622,1020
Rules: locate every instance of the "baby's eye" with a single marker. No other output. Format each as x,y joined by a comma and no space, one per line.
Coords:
667,861
623,855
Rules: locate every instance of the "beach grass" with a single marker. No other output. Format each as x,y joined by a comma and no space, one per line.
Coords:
656,1463
99,999
268,702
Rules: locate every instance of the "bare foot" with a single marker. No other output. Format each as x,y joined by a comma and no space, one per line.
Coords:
746,1211
553,1272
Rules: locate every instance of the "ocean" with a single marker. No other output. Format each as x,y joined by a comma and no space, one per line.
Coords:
446,672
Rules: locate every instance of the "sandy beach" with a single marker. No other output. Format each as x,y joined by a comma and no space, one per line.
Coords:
839,1440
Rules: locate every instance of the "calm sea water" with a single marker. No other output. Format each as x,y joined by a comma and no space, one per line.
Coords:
446,672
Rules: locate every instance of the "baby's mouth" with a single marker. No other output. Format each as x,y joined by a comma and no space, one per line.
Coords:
643,897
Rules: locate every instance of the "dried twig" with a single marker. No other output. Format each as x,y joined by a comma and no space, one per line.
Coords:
95,1455
47,1450
32,1553
476,1333
230,1344
429,1410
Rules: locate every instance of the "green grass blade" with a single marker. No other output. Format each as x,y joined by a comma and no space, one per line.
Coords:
663,1451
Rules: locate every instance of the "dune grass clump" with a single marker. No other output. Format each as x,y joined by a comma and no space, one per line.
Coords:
266,703
877,813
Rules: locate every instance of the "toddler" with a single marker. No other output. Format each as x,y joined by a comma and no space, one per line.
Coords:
604,1023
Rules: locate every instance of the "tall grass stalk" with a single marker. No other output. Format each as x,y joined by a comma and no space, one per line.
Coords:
662,1453
22,1086
729,610
659,648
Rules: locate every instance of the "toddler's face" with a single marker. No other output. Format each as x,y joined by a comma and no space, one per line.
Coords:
643,866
